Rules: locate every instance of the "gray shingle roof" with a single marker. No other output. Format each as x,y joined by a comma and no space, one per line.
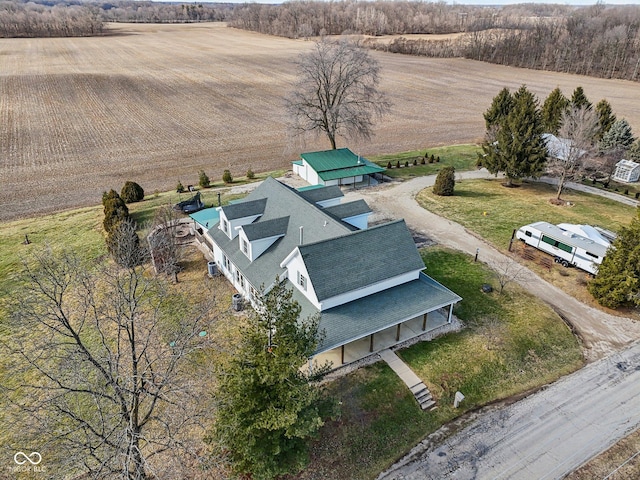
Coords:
346,263
282,201
245,209
349,209
316,195
266,228
371,314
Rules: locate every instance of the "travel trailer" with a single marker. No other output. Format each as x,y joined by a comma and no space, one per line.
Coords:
567,247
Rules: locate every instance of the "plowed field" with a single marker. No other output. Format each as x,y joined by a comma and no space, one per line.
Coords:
156,103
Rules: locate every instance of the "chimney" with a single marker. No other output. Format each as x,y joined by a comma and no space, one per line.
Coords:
301,234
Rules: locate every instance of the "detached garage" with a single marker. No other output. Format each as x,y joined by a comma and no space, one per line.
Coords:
335,167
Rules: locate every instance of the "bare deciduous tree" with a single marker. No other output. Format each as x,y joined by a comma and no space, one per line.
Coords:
337,92
507,271
101,380
164,247
577,132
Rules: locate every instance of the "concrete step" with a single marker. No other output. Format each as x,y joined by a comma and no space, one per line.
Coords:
430,405
418,388
424,396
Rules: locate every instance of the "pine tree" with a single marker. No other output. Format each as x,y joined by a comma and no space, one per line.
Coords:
618,280
115,210
619,137
553,107
579,99
499,109
445,182
606,118
519,149
634,152
269,405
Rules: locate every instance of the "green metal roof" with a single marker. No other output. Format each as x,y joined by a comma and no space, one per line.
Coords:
207,217
349,262
266,229
340,163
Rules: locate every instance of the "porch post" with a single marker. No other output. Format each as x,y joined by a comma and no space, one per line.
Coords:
424,321
371,343
398,333
342,355
450,313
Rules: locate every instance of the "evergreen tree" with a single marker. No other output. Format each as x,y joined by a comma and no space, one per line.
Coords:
634,152
619,137
579,99
115,210
132,192
269,404
552,109
606,118
124,246
203,179
499,109
445,182
519,149
618,280
226,176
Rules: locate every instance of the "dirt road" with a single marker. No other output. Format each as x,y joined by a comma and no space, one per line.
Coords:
600,332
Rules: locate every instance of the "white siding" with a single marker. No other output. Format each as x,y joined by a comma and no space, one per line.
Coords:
368,290
330,202
295,266
358,221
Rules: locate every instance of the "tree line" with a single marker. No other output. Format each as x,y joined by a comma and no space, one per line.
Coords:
70,19
596,41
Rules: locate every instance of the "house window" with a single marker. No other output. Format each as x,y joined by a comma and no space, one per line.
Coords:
225,226
226,263
245,247
302,281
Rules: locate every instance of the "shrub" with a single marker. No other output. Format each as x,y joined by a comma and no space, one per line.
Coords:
226,177
438,159
203,179
426,155
398,164
637,195
415,161
626,191
445,182
115,210
433,158
423,161
406,164
250,174
179,187
132,192
389,165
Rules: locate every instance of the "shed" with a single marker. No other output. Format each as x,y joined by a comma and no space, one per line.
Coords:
335,167
626,171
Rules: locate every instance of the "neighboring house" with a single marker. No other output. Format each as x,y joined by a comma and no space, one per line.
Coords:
361,280
560,148
335,167
626,171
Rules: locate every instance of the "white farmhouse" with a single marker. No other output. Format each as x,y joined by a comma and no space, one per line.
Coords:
367,283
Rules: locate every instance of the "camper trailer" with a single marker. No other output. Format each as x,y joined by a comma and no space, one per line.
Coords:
567,247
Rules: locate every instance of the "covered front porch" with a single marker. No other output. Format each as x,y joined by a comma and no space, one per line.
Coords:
390,336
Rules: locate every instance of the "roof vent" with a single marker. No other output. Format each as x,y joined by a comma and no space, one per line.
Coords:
301,234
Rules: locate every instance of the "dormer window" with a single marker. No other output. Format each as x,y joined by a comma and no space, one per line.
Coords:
225,226
245,247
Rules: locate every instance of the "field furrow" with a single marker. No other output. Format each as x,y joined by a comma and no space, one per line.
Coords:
156,103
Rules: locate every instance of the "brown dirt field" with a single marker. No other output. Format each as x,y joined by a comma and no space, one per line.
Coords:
155,103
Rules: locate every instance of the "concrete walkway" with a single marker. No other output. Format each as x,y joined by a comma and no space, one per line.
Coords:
412,381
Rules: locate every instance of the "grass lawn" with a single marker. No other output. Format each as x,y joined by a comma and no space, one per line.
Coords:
513,343
494,211
461,157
